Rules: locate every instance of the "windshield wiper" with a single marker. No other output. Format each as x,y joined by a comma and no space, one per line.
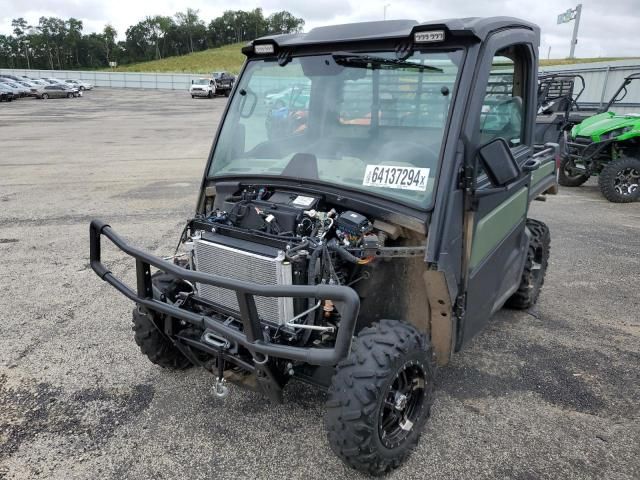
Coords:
360,60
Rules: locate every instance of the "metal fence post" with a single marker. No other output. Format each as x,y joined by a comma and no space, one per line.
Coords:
604,85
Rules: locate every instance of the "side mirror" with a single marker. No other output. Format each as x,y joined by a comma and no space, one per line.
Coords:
191,82
498,162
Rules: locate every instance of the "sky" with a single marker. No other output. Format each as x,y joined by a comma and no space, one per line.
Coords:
607,29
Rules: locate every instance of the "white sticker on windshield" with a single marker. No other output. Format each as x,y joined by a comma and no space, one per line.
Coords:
403,178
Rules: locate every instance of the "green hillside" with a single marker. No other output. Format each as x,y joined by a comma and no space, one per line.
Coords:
227,58
230,58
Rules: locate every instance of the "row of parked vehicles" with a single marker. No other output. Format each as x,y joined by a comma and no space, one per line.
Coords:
13,87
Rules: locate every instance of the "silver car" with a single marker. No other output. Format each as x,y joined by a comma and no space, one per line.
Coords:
18,90
79,84
33,88
55,91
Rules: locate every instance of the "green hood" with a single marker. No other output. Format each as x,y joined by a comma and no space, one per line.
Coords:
598,125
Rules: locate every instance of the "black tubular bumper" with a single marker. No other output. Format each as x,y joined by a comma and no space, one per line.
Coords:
251,337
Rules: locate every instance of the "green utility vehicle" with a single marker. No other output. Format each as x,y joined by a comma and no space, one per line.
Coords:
367,237
608,145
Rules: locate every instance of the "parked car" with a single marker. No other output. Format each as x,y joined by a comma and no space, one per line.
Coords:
223,82
79,84
6,95
18,90
55,91
33,88
12,77
202,87
53,81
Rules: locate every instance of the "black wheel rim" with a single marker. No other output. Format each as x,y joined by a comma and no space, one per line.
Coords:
402,404
627,181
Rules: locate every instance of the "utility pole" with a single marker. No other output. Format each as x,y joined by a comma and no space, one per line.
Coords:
549,53
566,17
384,15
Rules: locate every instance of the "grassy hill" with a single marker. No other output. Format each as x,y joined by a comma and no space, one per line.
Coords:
230,58
227,58
571,61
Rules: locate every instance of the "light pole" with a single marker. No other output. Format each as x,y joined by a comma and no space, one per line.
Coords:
384,15
566,17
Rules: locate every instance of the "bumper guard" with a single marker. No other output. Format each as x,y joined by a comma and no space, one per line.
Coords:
251,337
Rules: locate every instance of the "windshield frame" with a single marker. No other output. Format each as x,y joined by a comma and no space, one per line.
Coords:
410,208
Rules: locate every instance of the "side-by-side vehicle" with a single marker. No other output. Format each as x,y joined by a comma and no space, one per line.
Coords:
359,229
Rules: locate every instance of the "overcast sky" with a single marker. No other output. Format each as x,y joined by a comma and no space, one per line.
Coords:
607,28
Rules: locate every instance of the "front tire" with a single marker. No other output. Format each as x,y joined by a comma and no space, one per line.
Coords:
45,96
567,177
620,180
381,397
535,267
148,327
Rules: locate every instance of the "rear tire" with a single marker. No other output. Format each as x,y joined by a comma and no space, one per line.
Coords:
227,93
535,267
381,397
69,95
620,180
566,178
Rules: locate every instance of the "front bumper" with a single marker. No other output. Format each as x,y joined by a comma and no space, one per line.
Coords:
251,336
200,93
583,149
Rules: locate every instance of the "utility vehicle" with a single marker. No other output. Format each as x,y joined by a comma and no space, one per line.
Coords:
607,145
366,245
558,109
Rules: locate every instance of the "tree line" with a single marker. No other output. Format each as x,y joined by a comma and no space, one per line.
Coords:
55,43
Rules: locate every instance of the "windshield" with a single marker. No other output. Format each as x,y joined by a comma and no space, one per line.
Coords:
365,122
201,81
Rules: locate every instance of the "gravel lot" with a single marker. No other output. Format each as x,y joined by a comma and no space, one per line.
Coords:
550,393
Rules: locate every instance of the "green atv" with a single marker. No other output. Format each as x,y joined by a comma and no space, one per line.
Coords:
608,145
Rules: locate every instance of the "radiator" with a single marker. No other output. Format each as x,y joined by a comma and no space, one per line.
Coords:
239,264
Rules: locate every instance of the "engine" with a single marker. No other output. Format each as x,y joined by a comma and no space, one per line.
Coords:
280,237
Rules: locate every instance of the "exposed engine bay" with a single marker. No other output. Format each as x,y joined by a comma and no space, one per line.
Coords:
282,237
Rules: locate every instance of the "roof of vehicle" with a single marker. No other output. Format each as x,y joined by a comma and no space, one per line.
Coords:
476,27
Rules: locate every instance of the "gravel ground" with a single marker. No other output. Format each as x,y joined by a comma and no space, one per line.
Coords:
549,393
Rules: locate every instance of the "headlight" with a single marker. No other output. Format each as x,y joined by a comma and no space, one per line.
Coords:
615,133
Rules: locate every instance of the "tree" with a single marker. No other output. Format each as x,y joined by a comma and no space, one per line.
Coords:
189,22
20,28
109,35
284,22
74,37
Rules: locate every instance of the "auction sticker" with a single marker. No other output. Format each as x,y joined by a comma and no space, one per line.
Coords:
403,178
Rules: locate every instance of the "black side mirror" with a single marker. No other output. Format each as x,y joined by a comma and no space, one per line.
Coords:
499,163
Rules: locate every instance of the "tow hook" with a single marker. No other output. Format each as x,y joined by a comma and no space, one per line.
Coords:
220,390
